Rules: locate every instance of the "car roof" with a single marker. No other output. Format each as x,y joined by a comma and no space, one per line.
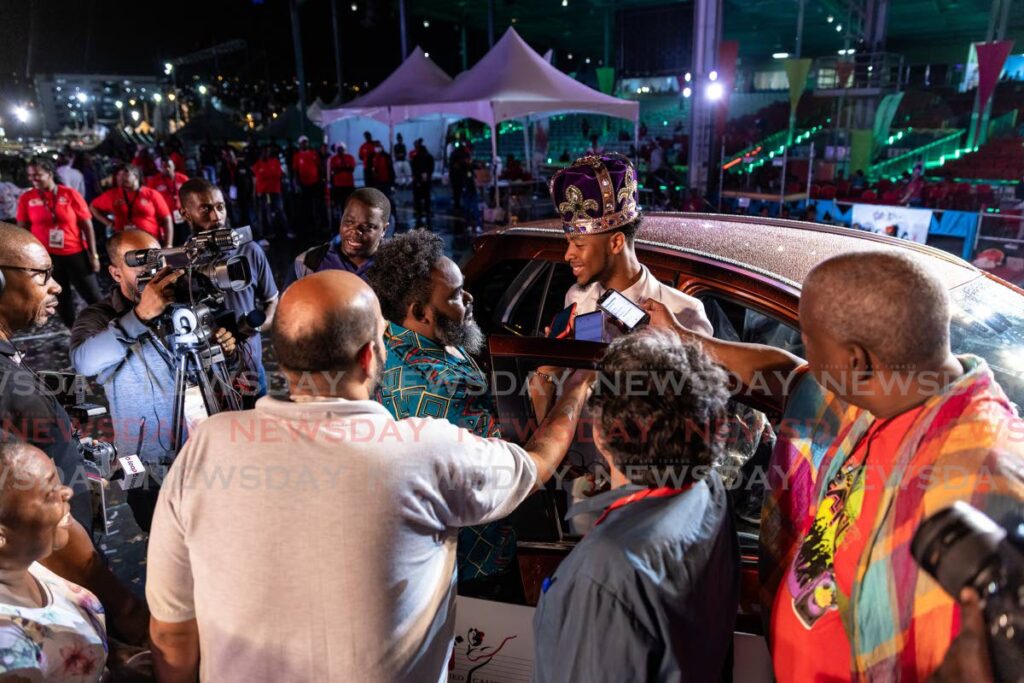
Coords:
786,250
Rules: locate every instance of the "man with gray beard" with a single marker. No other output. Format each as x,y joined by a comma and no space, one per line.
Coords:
430,372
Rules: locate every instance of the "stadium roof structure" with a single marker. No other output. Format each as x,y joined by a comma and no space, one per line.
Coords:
936,31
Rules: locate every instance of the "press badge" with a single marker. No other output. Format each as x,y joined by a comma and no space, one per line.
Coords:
56,238
195,408
178,218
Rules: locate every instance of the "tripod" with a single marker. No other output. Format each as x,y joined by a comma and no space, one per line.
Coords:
196,357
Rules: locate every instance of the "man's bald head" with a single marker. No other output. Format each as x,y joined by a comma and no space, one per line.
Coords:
16,243
885,301
324,320
129,240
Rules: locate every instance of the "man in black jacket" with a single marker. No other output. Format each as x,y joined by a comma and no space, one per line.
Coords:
422,177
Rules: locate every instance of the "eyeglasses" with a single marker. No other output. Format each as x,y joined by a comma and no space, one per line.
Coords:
46,273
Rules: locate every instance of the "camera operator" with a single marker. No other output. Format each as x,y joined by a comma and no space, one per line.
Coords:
28,410
118,341
203,207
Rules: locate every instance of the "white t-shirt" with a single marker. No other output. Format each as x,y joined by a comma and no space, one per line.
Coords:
63,642
315,541
688,310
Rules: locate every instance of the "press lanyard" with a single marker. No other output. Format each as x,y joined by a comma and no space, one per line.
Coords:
663,492
51,209
131,204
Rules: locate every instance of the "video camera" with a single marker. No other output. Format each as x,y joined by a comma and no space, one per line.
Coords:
205,261
210,270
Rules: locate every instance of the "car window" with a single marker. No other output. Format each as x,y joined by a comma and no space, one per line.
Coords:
521,296
988,321
735,321
490,290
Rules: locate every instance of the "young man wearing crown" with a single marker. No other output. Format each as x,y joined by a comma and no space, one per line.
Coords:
597,200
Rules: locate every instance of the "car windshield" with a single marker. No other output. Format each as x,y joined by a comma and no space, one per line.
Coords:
988,321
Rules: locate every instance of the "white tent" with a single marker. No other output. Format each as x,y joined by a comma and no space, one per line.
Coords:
416,80
382,111
512,81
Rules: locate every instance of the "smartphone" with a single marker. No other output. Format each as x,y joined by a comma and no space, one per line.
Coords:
561,324
590,327
622,311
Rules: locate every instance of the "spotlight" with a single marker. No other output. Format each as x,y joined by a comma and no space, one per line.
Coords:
714,91
426,24
119,104
780,55
830,19
202,89
570,55
168,68
565,3
157,97
135,115
20,113
354,7
839,28
688,77
713,76
171,97
82,97
687,91
587,60
427,55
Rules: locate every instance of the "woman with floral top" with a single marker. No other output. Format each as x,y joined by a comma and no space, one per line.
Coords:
50,629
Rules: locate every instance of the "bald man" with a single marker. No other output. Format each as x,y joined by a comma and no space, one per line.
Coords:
28,411
313,538
883,427
119,341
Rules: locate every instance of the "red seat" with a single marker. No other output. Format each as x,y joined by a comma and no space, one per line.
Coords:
869,196
828,192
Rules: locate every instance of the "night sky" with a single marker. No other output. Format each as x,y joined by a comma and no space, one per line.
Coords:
120,37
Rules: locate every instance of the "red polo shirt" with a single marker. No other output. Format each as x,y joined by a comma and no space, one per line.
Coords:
142,209
306,164
65,205
162,184
342,166
267,174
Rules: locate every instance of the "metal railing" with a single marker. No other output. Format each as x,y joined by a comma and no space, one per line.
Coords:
933,154
873,70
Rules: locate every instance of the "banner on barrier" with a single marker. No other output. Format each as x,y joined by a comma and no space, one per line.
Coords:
895,221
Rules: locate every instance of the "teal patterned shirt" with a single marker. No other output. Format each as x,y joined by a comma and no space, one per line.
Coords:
422,379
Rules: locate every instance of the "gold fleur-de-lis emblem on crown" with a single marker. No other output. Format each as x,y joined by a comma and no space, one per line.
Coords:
627,195
576,205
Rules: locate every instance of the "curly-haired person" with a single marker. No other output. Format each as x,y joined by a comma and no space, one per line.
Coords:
650,593
430,372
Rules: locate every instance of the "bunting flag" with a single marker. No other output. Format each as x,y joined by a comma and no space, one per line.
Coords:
861,146
605,79
796,74
728,55
991,59
884,116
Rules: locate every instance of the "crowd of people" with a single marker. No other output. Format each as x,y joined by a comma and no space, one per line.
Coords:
324,534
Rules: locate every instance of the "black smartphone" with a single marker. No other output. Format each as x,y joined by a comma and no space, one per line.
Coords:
561,324
626,314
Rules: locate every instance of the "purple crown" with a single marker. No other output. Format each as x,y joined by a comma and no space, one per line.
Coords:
596,194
